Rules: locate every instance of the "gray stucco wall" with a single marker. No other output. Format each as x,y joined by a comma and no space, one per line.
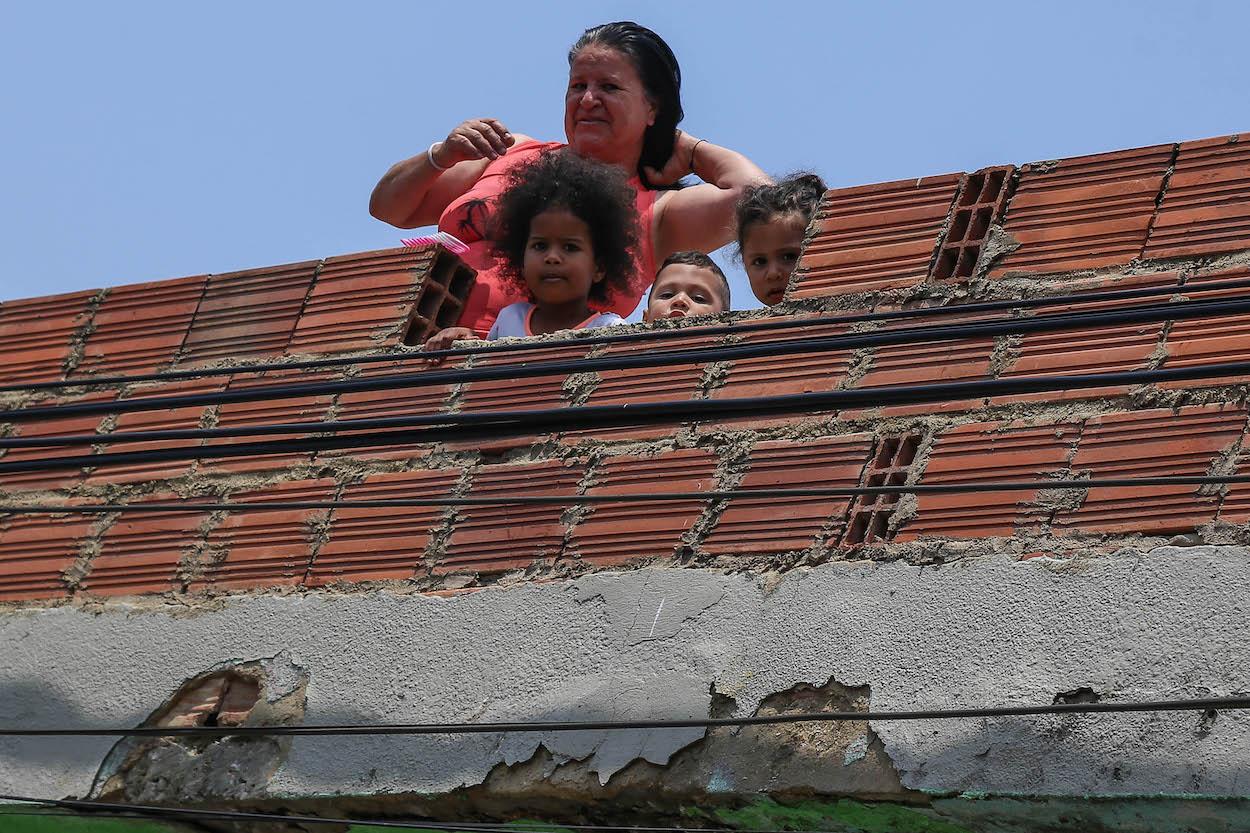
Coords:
652,643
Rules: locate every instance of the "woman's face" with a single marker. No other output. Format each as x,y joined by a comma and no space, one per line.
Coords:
606,109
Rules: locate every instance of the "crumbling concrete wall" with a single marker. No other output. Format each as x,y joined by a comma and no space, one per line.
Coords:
986,631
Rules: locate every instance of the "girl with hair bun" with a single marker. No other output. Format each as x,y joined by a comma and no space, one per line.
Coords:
772,222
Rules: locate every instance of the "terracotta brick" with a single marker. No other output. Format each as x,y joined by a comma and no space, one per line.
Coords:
870,518
924,363
264,549
617,533
1083,213
978,207
1206,209
162,420
1156,443
663,383
363,301
751,526
521,394
989,451
36,334
491,539
35,552
395,402
53,478
139,328
382,544
249,313
788,373
874,237
269,412
1215,340
141,551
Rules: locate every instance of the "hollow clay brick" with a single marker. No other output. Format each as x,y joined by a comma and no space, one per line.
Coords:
248,314
265,549
37,335
389,543
1085,212
751,526
617,533
874,237
492,539
1156,443
1206,209
36,551
989,451
140,328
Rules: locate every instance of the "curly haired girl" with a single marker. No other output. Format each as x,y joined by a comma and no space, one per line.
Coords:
565,231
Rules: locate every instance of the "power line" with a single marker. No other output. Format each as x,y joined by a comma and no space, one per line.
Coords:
630,497
1197,704
492,424
649,335
702,355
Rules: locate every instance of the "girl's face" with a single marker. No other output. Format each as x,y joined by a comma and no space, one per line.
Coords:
606,109
770,250
559,265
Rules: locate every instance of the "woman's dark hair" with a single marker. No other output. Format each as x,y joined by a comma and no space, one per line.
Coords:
661,78
799,193
597,194
702,261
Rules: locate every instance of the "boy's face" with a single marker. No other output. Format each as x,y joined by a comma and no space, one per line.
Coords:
682,290
770,251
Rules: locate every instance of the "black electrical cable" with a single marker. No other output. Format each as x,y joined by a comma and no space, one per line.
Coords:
492,424
1197,704
784,323
702,355
630,497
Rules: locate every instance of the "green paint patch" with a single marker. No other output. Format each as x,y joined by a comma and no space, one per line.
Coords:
17,819
842,816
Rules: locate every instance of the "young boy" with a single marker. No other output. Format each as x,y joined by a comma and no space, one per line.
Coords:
688,283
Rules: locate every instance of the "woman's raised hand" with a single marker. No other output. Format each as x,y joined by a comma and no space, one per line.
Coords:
679,163
470,140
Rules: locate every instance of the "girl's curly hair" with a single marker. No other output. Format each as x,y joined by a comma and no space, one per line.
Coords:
799,193
598,194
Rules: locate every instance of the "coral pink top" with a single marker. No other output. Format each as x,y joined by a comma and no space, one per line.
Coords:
466,218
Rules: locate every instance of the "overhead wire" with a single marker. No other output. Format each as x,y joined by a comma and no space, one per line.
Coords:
476,425
628,497
1194,704
701,355
779,323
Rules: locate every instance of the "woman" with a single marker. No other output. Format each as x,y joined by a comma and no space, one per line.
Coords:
622,108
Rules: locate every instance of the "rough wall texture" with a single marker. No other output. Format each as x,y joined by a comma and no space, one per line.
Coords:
676,643
668,608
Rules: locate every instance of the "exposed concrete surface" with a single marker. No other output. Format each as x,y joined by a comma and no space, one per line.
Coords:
657,643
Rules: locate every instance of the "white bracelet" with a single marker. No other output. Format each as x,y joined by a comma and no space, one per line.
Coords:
429,155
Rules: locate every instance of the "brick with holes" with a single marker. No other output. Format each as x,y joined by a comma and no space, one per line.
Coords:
891,465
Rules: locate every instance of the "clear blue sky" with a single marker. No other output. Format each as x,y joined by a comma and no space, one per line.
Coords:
147,140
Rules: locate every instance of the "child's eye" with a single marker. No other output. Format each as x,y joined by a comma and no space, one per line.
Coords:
700,299
577,85
666,294
572,247
759,261
611,87
790,257
538,246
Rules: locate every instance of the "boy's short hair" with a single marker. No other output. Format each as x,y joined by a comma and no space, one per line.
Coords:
702,261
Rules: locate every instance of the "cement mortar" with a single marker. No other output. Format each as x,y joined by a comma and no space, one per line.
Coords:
656,643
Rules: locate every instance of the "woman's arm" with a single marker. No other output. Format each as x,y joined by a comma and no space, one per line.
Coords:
701,218
414,192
